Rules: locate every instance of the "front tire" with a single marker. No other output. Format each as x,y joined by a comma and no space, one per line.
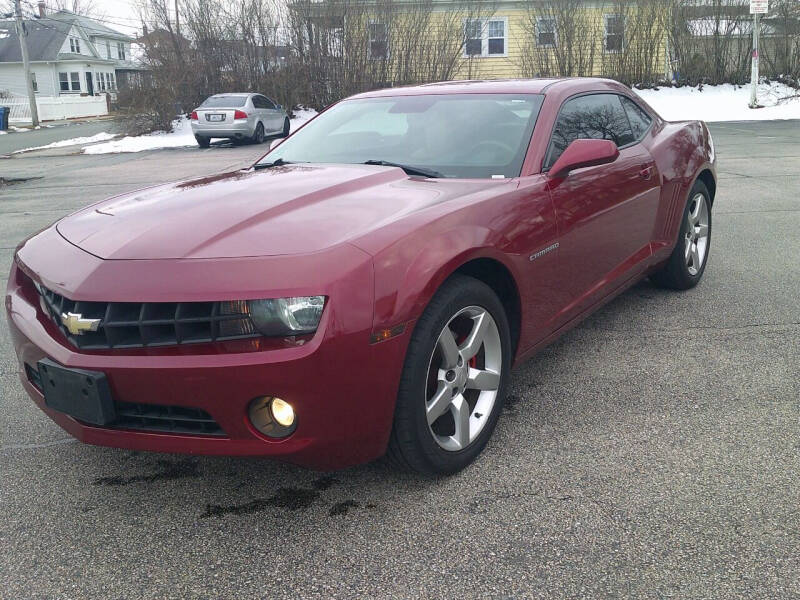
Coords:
689,258
286,128
454,380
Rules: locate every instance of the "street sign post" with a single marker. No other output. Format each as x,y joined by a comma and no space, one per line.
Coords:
757,7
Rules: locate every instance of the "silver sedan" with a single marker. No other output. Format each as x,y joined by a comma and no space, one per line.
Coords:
250,117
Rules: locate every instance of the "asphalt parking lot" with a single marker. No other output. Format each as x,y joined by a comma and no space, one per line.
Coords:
653,452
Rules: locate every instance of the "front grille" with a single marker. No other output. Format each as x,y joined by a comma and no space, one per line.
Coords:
148,324
168,419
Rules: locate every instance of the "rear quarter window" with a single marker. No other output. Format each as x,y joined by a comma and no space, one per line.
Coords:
639,119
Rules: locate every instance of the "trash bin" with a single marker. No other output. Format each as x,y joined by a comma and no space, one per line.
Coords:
4,112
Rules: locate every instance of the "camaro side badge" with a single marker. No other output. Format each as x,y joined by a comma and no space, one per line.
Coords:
544,251
77,325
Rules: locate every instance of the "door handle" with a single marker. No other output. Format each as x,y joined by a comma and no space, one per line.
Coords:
646,173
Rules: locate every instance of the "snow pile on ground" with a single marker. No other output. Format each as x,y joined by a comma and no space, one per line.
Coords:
181,136
724,102
100,137
301,116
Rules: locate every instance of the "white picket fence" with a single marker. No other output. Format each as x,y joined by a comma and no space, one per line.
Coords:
55,108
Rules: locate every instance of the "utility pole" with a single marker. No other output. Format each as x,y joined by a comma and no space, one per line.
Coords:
757,8
26,63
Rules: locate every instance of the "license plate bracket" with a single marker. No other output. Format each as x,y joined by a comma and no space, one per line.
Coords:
83,395
215,117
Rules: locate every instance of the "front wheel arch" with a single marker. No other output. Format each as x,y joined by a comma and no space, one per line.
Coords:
497,276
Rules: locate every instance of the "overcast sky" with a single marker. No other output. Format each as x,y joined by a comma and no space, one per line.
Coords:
122,15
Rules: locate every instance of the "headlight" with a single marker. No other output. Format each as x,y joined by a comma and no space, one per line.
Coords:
286,316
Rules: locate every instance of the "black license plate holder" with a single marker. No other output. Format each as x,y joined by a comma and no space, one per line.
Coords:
83,395
215,117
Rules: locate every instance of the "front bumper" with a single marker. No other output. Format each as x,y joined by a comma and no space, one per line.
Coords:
342,387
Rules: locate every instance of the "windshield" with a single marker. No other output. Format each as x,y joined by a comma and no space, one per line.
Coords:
454,135
224,102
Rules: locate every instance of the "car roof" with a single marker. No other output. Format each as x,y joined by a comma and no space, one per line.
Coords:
496,86
236,94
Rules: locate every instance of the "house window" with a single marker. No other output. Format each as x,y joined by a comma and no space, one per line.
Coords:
473,36
101,82
614,39
378,41
108,49
121,50
113,81
33,81
486,38
69,82
74,45
546,32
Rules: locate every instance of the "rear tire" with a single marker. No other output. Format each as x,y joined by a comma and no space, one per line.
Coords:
689,258
258,136
203,141
462,394
286,127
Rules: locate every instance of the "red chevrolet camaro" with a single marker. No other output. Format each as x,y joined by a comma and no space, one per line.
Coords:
367,286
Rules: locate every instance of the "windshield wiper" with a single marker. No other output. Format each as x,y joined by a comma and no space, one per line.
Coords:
407,168
278,162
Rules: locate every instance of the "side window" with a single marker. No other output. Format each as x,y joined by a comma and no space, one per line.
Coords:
258,102
596,116
268,103
640,120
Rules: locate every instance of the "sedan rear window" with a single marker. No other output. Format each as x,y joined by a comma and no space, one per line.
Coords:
456,135
224,102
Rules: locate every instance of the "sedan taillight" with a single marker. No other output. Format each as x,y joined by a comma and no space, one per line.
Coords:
193,116
239,114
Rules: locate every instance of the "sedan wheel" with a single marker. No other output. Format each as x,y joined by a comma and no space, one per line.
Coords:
258,136
454,378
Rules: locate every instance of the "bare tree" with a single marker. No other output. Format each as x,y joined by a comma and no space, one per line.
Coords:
710,42
561,38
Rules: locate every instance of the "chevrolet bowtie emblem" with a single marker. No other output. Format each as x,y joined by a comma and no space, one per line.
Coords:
77,325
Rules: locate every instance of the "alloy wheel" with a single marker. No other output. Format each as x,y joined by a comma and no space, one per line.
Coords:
464,376
696,237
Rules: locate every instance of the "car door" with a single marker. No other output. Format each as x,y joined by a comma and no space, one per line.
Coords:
259,108
275,117
605,214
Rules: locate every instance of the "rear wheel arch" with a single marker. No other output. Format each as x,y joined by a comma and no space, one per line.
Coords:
707,177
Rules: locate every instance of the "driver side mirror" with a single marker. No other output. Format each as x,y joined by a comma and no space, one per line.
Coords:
583,153
279,106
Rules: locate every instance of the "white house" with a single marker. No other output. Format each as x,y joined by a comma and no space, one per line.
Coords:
75,62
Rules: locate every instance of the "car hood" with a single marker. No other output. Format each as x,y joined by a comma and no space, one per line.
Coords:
292,209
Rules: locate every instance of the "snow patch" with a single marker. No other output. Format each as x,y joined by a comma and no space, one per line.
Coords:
100,137
724,102
180,136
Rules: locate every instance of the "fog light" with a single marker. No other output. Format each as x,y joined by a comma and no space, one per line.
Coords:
283,412
273,417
